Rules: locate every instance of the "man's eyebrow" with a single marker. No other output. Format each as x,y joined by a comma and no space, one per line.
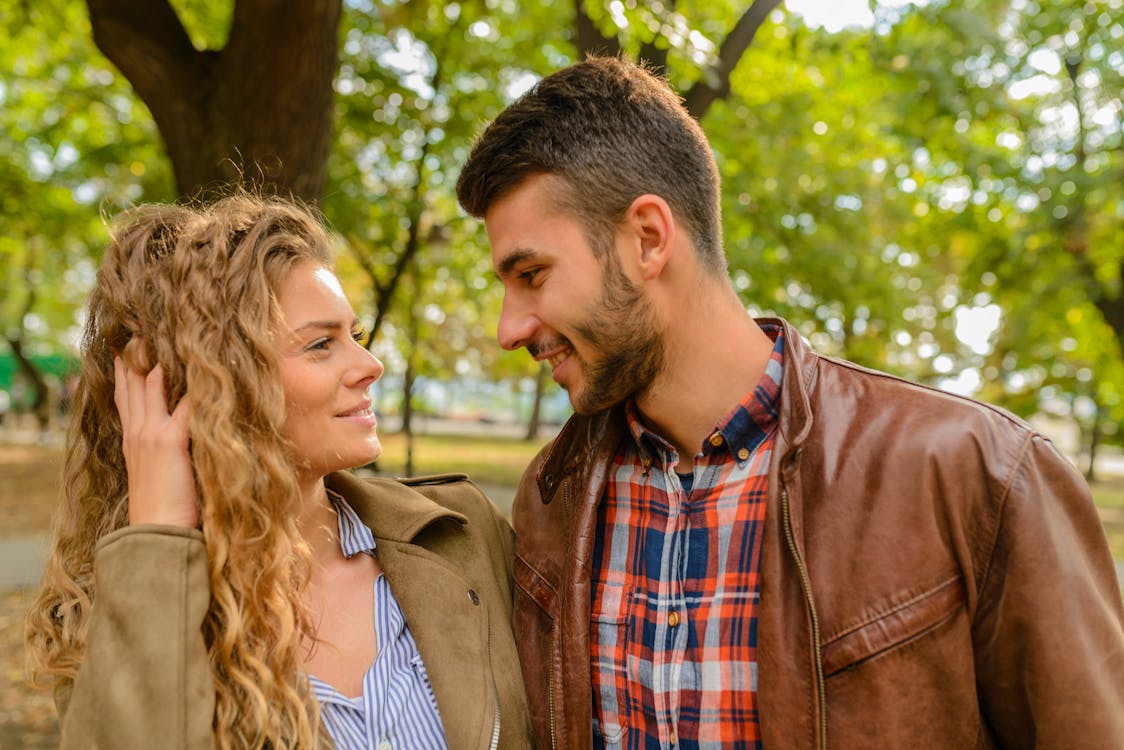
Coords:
513,259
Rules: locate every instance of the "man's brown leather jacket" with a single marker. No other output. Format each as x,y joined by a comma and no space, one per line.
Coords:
934,575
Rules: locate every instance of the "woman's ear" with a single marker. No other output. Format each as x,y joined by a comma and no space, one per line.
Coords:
651,222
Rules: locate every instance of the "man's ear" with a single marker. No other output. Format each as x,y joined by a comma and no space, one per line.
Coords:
653,226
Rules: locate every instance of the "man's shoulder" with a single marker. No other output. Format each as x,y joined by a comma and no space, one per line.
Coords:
865,388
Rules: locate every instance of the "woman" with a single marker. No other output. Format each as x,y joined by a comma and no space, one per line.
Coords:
217,578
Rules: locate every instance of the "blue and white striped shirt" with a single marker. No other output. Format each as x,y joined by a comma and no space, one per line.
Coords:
397,708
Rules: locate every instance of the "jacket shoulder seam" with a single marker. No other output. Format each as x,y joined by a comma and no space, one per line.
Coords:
967,401
1003,499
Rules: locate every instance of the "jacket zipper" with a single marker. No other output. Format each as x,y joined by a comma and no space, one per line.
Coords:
495,743
550,671
550,701
806,585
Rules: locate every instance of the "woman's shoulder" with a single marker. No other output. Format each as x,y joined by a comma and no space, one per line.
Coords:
415,501
455,492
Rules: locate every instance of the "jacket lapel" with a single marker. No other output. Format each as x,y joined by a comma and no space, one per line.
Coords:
448,623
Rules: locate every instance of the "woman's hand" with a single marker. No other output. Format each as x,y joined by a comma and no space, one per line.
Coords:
155,444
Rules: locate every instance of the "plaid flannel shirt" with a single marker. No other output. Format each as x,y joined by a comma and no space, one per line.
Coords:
673,634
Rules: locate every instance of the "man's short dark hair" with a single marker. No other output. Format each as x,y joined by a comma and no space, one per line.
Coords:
611,130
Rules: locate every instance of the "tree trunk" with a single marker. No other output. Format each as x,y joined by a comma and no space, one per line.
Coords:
41,404
1104,296
411,375
258,112
1095,435
534,422
408,412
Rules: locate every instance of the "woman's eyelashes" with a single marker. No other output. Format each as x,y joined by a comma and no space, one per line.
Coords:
320,344
324,343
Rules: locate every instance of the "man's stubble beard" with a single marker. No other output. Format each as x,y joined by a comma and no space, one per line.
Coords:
622,331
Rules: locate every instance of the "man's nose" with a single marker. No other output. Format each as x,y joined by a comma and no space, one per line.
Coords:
517,326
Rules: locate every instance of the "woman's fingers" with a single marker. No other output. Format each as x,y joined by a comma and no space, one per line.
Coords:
120,392
156,448
134,395
181,415
155,403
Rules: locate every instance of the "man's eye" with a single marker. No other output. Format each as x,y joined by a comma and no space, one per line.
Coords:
529,275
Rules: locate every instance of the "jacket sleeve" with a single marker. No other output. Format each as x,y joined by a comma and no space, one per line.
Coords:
1049,632
145,679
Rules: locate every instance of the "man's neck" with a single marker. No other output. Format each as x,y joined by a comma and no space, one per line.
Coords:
711,364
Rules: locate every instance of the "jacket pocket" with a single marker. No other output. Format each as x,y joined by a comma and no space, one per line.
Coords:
610,635
897,625
534,585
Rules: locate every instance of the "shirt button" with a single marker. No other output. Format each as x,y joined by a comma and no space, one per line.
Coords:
716,439
743,453
673,619
673,739
384,745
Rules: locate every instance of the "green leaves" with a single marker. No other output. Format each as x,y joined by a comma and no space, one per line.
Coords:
883,185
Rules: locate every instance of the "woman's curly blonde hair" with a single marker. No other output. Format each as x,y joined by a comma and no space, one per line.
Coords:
194,289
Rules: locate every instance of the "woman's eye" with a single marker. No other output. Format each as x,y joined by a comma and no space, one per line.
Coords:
318,345
359,336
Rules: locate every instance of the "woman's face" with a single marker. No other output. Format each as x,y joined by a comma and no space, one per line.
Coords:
326,375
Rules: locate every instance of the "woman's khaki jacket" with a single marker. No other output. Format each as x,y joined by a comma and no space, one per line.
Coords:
145,681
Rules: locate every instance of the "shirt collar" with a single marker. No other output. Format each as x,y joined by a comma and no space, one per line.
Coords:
355,536
739,432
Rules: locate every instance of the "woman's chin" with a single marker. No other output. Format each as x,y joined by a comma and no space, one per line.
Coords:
372,452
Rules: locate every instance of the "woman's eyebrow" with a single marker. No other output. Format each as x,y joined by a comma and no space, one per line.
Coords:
327,324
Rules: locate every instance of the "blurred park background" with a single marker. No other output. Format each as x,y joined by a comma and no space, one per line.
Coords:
930,187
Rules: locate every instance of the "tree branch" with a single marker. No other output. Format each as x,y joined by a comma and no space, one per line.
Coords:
590,40
1076,224
715,83
415,207
16,344
148,44
653,54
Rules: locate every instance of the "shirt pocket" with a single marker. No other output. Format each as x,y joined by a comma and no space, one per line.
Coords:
610,633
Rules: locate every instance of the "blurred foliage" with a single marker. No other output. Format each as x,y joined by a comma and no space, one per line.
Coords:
939,193
72,139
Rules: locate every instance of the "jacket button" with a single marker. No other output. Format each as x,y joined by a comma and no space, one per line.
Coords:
548,481
472,595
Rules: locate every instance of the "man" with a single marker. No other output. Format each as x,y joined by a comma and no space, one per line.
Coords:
736,542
